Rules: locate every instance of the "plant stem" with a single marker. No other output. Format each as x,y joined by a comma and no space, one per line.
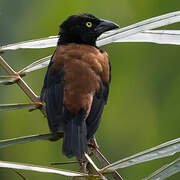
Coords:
21,83
102,159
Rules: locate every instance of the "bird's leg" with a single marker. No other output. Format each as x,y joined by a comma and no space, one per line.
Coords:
83,165
83,169
92,143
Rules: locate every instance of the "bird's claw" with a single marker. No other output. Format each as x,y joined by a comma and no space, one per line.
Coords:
93,143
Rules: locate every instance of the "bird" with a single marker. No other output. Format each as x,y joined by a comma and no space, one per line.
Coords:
77,82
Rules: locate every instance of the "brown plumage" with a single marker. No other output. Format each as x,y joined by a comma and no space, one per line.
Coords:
85,66
77,81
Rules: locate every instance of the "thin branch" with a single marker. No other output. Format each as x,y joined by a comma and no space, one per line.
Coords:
92,163
105,162
6,67
21,83
95,151
94,166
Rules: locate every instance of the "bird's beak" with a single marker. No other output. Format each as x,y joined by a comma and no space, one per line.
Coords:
104,26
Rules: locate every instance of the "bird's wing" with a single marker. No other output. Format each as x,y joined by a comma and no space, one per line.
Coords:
52,94
99,100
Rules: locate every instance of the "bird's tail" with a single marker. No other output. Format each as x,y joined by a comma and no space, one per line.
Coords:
75,136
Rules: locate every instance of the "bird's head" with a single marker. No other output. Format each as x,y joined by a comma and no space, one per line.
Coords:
83,29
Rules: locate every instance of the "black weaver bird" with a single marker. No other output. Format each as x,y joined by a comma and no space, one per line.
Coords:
76,84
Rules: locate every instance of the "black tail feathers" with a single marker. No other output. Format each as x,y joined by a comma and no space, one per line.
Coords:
75,136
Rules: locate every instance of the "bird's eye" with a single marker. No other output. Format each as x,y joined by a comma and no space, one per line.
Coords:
89,24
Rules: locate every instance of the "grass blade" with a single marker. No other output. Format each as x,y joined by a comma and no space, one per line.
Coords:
166,149
39,64
165,171
106,38
7,80
42,169
31,138
4,107
155,36
148,24
50,41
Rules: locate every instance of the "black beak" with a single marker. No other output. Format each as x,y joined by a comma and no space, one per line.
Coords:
104,26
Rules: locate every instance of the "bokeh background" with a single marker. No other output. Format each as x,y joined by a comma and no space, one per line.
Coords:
143,107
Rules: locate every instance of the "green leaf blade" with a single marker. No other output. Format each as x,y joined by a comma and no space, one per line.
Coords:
7,80
165,171
31,138
166,149
5,107
42,169
154,36
39,64
139,27
50,41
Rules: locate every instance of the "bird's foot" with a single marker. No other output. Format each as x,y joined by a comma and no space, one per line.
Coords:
92,143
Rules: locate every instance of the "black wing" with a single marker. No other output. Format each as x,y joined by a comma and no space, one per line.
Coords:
52,94
99,100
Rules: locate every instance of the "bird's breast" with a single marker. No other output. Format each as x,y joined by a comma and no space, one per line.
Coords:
84,67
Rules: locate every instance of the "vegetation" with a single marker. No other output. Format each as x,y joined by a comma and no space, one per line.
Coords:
116,138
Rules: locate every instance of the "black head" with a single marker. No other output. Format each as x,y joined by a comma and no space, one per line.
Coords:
83,29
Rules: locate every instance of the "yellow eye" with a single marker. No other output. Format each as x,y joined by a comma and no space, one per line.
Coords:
89,24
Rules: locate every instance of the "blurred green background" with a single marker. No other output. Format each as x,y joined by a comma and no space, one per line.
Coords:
143,107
